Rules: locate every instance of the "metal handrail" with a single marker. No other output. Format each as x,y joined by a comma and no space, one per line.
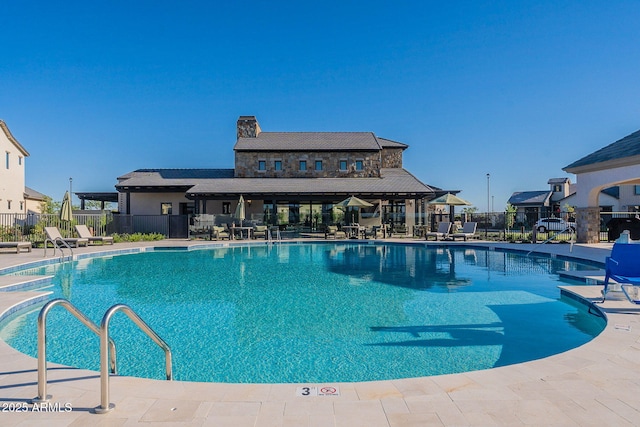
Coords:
571,232
55,246
42,343
105,406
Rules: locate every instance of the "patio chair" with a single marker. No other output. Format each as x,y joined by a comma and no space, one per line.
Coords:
260,231
54,236
623,267
468,230
219,232
443,231
373,232
332,230
84,233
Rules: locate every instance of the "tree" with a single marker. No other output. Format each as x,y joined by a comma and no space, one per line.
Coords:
511,215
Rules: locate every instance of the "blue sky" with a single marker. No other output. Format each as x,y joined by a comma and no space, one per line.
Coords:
517,89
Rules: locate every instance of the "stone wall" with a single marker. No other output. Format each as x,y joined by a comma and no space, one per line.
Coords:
588,224
248,127
246,164
391,157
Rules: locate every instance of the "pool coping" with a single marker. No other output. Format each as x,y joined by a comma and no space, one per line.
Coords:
593,384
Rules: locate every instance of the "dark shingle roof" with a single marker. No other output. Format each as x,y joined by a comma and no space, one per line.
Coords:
182,175
32,194
387,143
392,181
625,148
529,198
221,182
309,141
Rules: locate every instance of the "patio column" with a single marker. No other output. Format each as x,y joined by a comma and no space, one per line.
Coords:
588,224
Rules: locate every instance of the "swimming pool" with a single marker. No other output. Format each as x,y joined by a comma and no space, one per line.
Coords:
322,312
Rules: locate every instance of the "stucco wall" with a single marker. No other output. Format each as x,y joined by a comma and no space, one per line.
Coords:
11,178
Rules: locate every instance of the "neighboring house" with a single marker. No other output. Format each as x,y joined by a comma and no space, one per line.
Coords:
617,164
293,178
533,205
12,172
33,200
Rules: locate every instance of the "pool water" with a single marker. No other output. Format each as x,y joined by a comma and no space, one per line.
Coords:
326,312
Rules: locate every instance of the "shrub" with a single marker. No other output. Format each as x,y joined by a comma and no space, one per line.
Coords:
137,237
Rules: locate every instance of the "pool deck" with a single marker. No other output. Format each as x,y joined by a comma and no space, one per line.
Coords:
594,385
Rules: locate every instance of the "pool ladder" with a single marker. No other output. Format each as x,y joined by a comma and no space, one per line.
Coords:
571,232
107,348
58,244
270,237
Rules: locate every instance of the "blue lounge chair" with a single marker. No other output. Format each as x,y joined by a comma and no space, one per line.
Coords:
623,266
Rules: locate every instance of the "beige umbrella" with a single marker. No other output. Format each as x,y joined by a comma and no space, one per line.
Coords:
353,202
451,200
240,211
66,212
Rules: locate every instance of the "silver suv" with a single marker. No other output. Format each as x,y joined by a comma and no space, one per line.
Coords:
554,224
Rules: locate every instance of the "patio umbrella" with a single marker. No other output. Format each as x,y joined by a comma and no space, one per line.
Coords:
66,213
451,200
353,202
239,213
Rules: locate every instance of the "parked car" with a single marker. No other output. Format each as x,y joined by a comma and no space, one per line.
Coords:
553,224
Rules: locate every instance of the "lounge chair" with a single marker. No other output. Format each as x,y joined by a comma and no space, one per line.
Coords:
468,230
18,246
260,231
84,233
332,230
220,232
623,267
443,231
54,236
374,232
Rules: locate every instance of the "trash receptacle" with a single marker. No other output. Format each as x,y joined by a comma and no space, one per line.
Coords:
616,225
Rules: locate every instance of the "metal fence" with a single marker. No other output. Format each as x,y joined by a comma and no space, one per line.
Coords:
493,225
30,227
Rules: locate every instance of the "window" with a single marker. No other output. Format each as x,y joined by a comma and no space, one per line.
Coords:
226,208
557,188
636,190
20,160
9,204
262,165
277,165
7,159
21,205
303,165
318,165
343,164
165,208
359,165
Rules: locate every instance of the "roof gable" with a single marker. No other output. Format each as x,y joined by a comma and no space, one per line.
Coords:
11,139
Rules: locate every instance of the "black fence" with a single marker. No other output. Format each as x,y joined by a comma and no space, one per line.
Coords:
494,225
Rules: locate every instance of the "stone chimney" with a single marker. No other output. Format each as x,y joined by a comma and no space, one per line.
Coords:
248,127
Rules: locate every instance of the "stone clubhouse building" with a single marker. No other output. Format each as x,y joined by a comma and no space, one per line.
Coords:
291,179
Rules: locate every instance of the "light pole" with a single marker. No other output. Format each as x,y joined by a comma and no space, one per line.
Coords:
486,228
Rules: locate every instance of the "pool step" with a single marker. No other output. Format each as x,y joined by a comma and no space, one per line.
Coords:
590,277
24,283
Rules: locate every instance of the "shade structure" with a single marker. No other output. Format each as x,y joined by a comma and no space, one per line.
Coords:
240,212
449,199
66,212
353,201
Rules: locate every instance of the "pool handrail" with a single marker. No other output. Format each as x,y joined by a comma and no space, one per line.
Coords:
42,343
105,406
